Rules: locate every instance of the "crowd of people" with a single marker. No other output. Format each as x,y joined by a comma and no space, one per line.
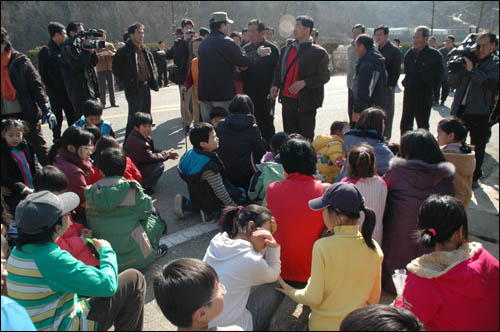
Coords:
325,220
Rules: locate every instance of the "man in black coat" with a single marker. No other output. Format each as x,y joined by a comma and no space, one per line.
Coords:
423,72
393,58
257,79
445,85
50,69
134,65
161,64
78,69
218,56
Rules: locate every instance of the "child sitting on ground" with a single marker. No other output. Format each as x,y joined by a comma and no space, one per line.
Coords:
361,172
381,317
139,146
346,267
329,151
246,255
74,240
268,171
451,136
217,114
92,114
120,212
18,163
131,171
203,171
195,280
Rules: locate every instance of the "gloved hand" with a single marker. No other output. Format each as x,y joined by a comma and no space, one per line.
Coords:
48,116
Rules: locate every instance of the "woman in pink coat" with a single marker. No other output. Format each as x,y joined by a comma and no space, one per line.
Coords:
456,286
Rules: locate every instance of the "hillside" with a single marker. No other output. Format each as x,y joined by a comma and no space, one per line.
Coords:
27,21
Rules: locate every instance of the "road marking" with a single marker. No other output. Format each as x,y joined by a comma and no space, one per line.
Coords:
187,234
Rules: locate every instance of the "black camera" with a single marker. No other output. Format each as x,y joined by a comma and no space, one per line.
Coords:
466,49
85,34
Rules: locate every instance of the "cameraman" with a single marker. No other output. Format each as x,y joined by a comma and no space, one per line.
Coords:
477,84
78,69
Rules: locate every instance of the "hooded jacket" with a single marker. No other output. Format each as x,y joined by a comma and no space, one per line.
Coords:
465,164
240,268
409,183
370,82
454,290
240,142
120,212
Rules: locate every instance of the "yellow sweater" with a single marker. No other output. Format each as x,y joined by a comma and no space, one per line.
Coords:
345,275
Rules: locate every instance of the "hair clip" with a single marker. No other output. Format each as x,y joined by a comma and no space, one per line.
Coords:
432,230
240,208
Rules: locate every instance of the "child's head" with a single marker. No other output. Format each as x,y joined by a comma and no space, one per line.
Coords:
341,205
217,114
94,130
421,145
361,161
12,131
442,219
372,118
298,156
50,178
76,140
246,220
339,128
204,137
104,143
381,317
241,104
92,110
188,293
452,130
112,162
277,141
143,123
196,46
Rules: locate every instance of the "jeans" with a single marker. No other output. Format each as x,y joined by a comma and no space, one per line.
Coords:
263,302
294,121
207,106
416,105
125,309
139,100
102,78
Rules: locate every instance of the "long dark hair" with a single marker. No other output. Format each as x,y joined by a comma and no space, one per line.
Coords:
421,145
368,223
45,236
361,161
75,136
236,218
241,104
455,126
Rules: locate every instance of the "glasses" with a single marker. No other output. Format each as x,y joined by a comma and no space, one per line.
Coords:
89,147
223,292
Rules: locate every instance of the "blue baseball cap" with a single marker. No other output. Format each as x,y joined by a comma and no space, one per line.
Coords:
341,195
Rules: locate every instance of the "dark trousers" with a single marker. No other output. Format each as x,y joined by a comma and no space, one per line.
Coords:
350,106
389,113
104,77
34,137
125,309
59,101
162,76
262,106
480,133
416,105
445,91
139,100
294,121
151,178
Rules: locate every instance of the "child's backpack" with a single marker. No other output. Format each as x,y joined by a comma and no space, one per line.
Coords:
266,174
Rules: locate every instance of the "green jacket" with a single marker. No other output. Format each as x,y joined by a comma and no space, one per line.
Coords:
120,212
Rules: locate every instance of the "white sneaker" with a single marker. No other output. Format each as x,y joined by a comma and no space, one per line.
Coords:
178,202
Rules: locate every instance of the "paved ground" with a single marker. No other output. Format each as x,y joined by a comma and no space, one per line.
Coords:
187,238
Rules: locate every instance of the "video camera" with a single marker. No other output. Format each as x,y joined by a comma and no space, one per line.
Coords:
466,49
81,36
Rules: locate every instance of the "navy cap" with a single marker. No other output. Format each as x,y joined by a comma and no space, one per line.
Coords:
341,195
204,31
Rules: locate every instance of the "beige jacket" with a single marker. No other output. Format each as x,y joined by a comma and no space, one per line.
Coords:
105,61
465,165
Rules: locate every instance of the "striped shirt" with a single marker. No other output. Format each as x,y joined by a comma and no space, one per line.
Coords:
45,280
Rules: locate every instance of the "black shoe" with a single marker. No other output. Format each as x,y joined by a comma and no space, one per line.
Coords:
115,105
149,191
442,103
186,130
475,184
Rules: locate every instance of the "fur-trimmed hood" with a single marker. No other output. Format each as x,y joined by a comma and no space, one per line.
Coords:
420,174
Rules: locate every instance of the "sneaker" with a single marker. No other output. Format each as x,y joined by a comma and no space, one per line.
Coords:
162,250
209,217
149,191
179,206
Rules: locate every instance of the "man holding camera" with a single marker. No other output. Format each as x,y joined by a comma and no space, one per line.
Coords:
50,68
79,60
477,85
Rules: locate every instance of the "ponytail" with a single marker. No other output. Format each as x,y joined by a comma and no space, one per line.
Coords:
465,149
456,126
229,221
236,219
368,227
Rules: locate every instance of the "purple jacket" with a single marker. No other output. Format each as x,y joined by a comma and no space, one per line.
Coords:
143,153
409,184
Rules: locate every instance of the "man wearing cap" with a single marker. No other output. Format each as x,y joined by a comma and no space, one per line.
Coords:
204,32
218,55
43,277
445,86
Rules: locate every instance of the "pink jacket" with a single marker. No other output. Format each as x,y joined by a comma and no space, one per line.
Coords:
72,243
454,290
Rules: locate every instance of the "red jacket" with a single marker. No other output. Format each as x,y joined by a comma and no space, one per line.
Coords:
131,173
73,243
454,290
298,226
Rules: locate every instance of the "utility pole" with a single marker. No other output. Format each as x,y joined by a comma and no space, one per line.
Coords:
480,17
432,22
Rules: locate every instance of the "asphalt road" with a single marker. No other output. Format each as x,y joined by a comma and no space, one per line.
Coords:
192,240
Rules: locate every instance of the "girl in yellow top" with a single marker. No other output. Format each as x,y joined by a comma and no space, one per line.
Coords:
346,267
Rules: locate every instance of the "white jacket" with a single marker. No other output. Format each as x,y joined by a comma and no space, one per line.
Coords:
239,268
